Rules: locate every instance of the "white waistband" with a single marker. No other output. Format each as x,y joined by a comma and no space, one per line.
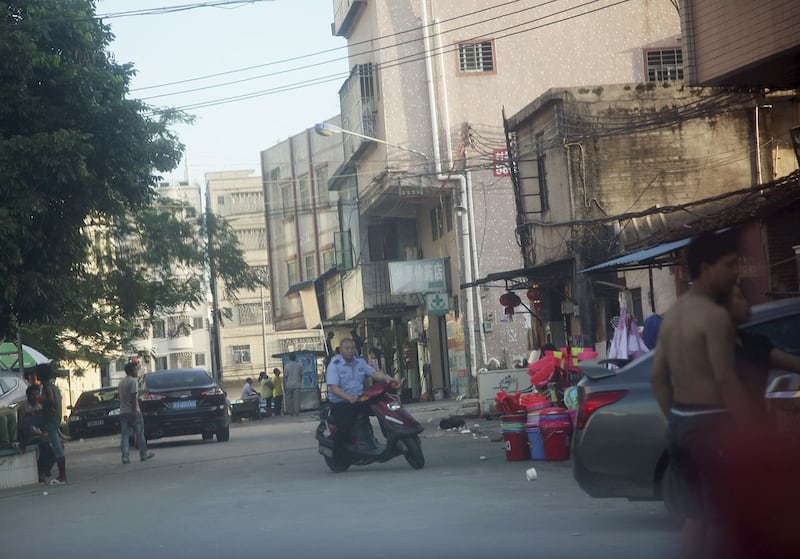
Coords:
689,413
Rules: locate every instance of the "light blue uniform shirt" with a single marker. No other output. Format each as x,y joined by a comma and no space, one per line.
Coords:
347,376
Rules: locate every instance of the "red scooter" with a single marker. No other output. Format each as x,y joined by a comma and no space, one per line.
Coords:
399,428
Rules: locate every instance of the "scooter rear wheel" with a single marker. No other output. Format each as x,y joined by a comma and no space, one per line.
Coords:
337,466
413,453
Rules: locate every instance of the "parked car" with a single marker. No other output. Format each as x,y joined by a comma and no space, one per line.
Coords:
12,389
184,402
619,443
95,413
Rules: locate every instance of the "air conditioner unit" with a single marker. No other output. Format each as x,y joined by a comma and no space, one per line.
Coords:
487,326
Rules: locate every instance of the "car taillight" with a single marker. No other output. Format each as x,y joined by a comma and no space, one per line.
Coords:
216,391
593,402
150,397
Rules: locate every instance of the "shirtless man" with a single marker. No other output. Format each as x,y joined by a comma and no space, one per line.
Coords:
695,383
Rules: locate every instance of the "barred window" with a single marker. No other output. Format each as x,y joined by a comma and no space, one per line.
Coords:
250,313
664,65
241,354
476,57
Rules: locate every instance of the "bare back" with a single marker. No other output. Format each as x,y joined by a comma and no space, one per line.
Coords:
696,343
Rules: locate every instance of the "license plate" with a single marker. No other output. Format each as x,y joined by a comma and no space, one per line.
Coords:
95,423
184,404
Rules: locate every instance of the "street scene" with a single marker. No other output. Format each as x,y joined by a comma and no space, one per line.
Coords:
414,278
268,491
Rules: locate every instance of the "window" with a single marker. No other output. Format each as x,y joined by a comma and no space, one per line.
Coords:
181,360
120,364
159,331
383,243
161,363
227,313
292,271
199,359
344,250
241,354
310,265
252,238
541,170
221,200
287,198
198,323
304,192
476,57
448,212
249,313
437,224
328,259
178,326
263,274
664,65
321,180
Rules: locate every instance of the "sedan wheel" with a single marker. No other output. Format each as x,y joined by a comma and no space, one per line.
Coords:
224,434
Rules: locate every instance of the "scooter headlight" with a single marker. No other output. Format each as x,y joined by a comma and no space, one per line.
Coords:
394,406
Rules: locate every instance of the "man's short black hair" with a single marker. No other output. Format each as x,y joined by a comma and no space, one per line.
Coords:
45,372
130,367
292,356
708,248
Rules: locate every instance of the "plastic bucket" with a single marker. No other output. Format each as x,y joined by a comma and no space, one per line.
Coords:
556,429
533,421
513,422
536,443
516,445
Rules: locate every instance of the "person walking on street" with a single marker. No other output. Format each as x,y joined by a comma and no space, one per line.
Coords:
51,418
695,384
277,391
292,382
130,415
265,383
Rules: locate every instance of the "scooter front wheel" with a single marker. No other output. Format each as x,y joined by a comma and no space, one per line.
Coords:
413,453
336,465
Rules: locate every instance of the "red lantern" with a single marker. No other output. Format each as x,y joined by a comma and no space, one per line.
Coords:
509,299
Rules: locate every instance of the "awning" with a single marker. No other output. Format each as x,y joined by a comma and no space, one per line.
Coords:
523,277
297,287
657,256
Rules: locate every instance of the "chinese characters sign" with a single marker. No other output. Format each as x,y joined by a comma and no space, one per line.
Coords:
417,276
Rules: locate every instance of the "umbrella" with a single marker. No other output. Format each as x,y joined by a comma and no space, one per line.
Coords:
9,357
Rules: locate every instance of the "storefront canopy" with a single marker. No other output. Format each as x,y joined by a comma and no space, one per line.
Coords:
523,277
654,257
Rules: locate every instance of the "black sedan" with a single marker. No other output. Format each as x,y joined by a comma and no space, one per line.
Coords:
95,413
183,402
619,445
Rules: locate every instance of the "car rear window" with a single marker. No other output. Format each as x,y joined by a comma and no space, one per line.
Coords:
784,333
88,399
177,379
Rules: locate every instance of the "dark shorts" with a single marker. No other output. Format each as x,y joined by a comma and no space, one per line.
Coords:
696,456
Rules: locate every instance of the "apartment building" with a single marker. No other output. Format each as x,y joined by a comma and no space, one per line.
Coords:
426,95
248,340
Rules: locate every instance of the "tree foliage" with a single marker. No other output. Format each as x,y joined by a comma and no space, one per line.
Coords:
79,161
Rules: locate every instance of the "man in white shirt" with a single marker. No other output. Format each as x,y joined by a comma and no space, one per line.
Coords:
130,415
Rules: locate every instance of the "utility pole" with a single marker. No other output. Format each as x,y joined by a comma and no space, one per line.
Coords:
216,353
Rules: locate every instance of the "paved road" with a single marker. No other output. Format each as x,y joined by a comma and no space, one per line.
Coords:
267,491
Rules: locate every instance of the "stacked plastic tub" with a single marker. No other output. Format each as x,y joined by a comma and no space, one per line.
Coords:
532,430
514,437
556,430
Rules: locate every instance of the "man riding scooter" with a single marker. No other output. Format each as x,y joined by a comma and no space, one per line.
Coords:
345,378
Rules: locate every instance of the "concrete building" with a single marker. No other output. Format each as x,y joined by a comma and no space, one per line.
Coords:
624,168
430,80
179,339
248,339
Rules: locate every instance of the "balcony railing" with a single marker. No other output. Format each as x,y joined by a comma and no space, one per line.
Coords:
359,110
345,13
367,288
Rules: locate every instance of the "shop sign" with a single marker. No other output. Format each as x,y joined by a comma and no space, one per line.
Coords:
437,304
417,276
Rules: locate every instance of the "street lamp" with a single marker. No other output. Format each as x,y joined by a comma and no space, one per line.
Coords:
328,129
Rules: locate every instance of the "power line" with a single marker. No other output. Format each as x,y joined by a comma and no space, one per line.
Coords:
416,57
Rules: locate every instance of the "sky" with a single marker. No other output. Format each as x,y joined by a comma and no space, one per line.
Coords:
200,42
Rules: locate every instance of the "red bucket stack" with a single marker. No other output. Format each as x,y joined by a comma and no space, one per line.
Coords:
556,429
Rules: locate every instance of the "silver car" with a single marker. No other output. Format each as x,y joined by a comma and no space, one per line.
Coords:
619,444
